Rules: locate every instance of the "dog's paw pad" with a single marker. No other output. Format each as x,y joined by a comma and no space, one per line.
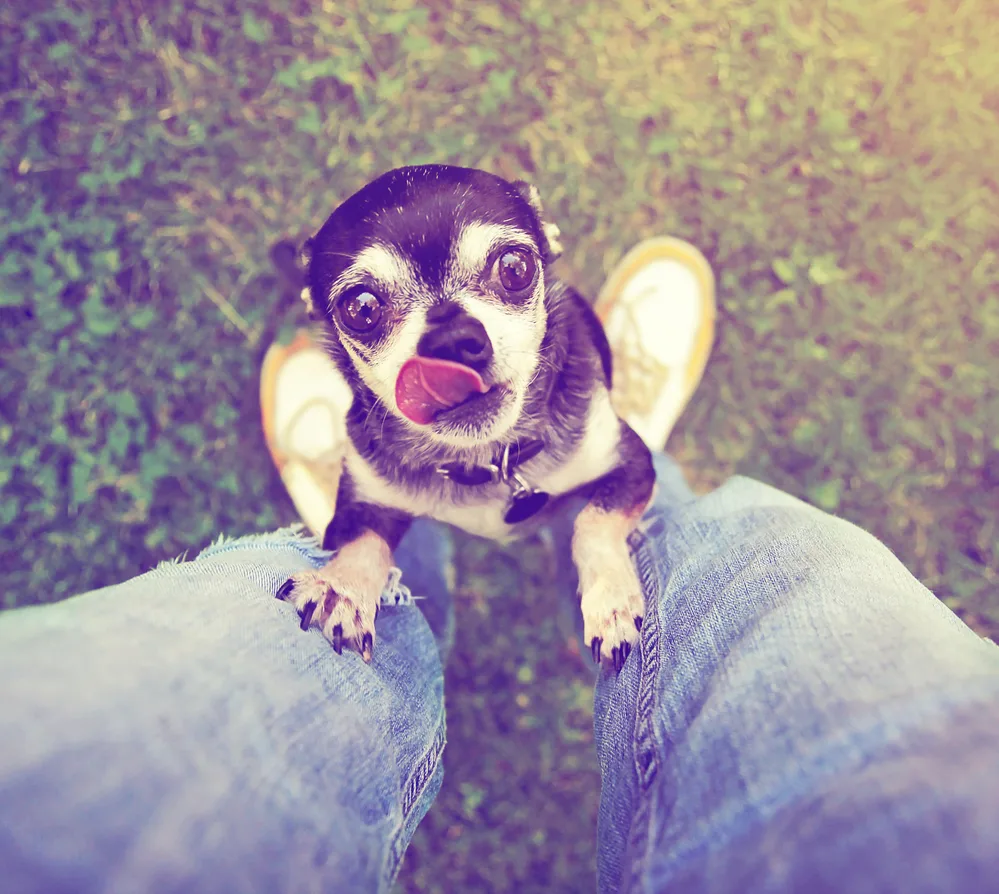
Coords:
342,619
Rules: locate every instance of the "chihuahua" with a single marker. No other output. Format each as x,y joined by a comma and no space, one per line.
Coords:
481,396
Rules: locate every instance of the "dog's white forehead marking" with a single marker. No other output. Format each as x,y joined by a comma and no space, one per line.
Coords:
379,263
477,240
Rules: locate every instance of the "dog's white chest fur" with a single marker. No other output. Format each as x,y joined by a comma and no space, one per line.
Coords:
595,455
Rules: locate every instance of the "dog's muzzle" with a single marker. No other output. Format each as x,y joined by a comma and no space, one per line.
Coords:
446,369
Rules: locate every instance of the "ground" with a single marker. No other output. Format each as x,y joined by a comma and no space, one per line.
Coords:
836,163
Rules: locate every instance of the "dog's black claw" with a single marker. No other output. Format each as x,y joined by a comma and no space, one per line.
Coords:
307,613
338,639
367,644
638,622
595,645
285,589
619,655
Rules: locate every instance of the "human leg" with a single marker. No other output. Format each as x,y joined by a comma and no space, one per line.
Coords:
802,714
176,732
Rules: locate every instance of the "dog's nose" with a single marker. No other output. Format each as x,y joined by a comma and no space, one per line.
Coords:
462,338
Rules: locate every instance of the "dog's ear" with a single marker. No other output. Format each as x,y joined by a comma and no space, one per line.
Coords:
284,256
305,254
305,259
551,248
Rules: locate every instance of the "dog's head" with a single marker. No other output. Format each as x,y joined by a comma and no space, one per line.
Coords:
432,280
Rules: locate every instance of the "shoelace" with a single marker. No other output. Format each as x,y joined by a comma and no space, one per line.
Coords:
335,450
639,378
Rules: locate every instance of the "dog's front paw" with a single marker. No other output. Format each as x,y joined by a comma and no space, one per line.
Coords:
343,616
613,608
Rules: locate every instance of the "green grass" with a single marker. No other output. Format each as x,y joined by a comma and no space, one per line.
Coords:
835,161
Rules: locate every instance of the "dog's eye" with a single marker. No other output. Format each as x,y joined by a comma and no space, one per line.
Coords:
516,268
360,311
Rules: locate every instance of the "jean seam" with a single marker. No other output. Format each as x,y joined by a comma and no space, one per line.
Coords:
645,754
414,788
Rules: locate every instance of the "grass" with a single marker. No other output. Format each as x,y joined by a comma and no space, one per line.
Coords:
835,161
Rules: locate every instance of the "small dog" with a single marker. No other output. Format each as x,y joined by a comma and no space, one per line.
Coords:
481,396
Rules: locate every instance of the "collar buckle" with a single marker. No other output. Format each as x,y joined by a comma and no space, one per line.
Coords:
503,469
500,471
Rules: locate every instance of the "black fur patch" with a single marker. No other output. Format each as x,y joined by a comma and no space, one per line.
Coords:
354,517
629,486
597,336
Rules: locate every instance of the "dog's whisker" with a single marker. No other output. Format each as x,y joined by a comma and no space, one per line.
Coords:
385,416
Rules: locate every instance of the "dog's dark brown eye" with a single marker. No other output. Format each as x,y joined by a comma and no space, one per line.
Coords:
360,311
516,269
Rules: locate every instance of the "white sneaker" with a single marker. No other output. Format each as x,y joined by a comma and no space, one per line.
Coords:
658,310
303,403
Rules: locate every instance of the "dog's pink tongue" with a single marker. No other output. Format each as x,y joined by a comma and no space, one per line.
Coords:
426,386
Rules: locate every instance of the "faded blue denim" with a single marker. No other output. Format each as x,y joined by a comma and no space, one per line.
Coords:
802,715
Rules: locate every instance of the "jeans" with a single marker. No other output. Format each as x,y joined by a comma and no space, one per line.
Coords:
801,715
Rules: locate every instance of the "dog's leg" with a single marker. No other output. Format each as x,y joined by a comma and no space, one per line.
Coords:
342,597
610,591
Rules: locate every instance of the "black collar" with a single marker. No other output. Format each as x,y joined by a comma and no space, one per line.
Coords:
501,469
525,501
